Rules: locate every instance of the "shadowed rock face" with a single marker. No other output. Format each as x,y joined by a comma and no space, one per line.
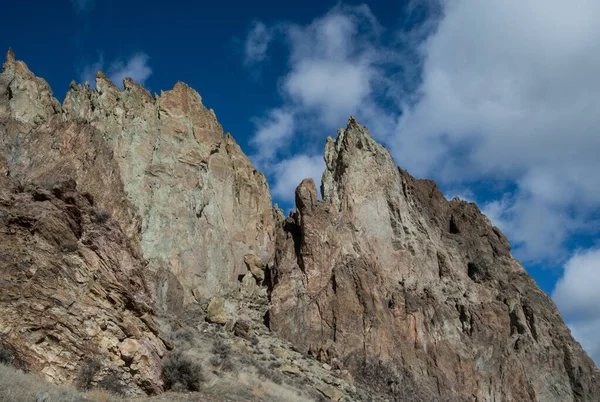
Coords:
414,294
117,205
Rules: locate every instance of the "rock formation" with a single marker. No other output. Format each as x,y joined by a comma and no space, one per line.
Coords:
188,201
118,208
416,294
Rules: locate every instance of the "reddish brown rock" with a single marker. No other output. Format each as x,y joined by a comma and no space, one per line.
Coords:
419,297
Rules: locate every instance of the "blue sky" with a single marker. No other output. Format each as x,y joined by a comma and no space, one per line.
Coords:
498,102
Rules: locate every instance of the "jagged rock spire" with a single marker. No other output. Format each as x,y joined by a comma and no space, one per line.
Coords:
10,55
9,61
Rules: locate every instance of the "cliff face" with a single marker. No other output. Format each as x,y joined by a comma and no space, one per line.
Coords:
187,191
202,205
416,294
186,202
117,206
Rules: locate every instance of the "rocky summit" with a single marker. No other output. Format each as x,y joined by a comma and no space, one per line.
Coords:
133,232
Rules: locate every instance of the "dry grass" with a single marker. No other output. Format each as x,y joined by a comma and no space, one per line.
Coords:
100,395
16,386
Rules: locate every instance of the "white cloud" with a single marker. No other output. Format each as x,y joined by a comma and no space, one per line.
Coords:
576,295
586,333
332,89
136,67
257,42
272,133
290,172
464,194
334,64
334,67
509,91
83,6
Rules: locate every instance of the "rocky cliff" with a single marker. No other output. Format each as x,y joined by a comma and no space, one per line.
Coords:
119,208
414,293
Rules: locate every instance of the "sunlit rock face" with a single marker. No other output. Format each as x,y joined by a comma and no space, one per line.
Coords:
188,202
118,206
414,294
202,204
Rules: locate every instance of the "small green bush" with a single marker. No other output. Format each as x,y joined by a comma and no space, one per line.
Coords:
222,356
183,335
179,369
221,349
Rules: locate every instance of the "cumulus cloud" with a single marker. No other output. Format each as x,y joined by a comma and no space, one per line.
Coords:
136,67
291,171
83,6
509,92
257,42
504,93
335,64
335,67
272,133
577,297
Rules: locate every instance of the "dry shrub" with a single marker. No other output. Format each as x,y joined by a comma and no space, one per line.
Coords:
181,370
112,383
87,371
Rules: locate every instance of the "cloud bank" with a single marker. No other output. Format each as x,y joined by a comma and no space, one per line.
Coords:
509,93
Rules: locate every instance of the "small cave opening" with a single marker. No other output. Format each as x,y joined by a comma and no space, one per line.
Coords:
473,271
453,226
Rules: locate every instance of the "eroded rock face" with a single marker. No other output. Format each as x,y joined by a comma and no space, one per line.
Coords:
190,196
186,202
73,288
414,294
202,203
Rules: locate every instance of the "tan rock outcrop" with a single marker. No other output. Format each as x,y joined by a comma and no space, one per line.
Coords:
188,201
419,297
73,288
216,311
189,195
